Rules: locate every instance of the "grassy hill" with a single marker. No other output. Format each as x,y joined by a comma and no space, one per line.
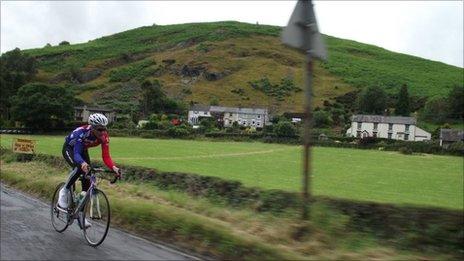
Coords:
218,62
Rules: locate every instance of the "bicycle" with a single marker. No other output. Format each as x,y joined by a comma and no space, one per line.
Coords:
92,205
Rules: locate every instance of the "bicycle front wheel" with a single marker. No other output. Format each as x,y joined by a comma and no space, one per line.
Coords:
97,213
59,218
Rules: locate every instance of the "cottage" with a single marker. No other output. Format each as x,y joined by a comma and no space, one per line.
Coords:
389,127
82,113
450,136
254,117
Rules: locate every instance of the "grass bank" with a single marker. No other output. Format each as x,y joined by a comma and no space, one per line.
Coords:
214,228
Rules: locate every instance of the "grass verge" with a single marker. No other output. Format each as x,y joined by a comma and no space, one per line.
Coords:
213,228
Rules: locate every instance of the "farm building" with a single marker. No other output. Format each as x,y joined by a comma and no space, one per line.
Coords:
450,136
253,117
388,127
82,113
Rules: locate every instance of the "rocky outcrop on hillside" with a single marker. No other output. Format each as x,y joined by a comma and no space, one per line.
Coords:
77,76
196,70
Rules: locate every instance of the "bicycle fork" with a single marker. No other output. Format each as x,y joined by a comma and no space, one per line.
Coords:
96,201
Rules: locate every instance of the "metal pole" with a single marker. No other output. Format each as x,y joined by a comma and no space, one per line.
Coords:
307,138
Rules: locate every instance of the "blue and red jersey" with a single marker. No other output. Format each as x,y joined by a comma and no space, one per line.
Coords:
82,138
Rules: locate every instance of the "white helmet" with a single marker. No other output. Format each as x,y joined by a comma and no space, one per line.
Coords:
98,119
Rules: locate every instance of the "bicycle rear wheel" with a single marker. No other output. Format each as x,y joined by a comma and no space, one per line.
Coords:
97,212
59,218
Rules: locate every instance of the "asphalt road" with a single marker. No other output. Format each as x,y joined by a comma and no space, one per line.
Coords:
27,234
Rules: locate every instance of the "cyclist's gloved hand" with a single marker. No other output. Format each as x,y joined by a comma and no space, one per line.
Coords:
117,172
85,167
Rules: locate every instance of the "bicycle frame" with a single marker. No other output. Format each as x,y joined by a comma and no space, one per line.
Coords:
73,214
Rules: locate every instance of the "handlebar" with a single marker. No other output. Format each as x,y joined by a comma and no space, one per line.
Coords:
101,170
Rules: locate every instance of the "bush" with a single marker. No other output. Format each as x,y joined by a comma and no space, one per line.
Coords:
285,129
457,148
405,150
322,119
178,131
124,123
279,91
64,43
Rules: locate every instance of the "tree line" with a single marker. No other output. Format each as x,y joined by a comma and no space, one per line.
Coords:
49,106
373,100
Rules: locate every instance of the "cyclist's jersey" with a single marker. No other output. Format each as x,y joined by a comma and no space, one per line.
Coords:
81,139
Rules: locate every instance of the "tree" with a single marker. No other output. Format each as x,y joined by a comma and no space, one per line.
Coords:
155,101
42,106
372,100
64,43
456,103
436,110
321,119
16,69
285,129
402,107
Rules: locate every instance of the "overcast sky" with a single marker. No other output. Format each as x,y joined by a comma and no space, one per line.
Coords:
428,29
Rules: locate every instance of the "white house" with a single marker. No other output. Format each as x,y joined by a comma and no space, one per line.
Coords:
388,127
255,117
196,112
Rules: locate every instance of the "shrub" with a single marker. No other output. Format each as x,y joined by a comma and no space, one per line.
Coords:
124,123
405,150
322,119
279,91
285,129
178,131
457,147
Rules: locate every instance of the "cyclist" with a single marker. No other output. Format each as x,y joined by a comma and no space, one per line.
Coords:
75,152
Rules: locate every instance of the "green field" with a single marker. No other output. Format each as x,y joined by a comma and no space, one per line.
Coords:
345,173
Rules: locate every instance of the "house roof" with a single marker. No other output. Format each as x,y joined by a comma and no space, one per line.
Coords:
228,109
451,135
198,107
93,108
384,119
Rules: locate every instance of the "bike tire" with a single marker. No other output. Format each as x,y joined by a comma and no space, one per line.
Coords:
93,242
54,211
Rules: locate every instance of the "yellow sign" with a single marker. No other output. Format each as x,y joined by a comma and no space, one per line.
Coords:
24,146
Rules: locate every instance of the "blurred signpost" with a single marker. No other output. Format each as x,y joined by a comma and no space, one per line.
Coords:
23,146
302,33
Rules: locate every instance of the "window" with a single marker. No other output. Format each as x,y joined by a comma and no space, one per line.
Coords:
406,128
390,126
358,134
406,136
359,125
376,124
389,135
195,112
374,134
205,113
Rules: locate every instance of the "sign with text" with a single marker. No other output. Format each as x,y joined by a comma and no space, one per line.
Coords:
24,146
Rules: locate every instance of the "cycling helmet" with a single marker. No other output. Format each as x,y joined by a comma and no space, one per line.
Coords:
98,119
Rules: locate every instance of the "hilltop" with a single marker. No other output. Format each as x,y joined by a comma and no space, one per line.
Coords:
232,64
